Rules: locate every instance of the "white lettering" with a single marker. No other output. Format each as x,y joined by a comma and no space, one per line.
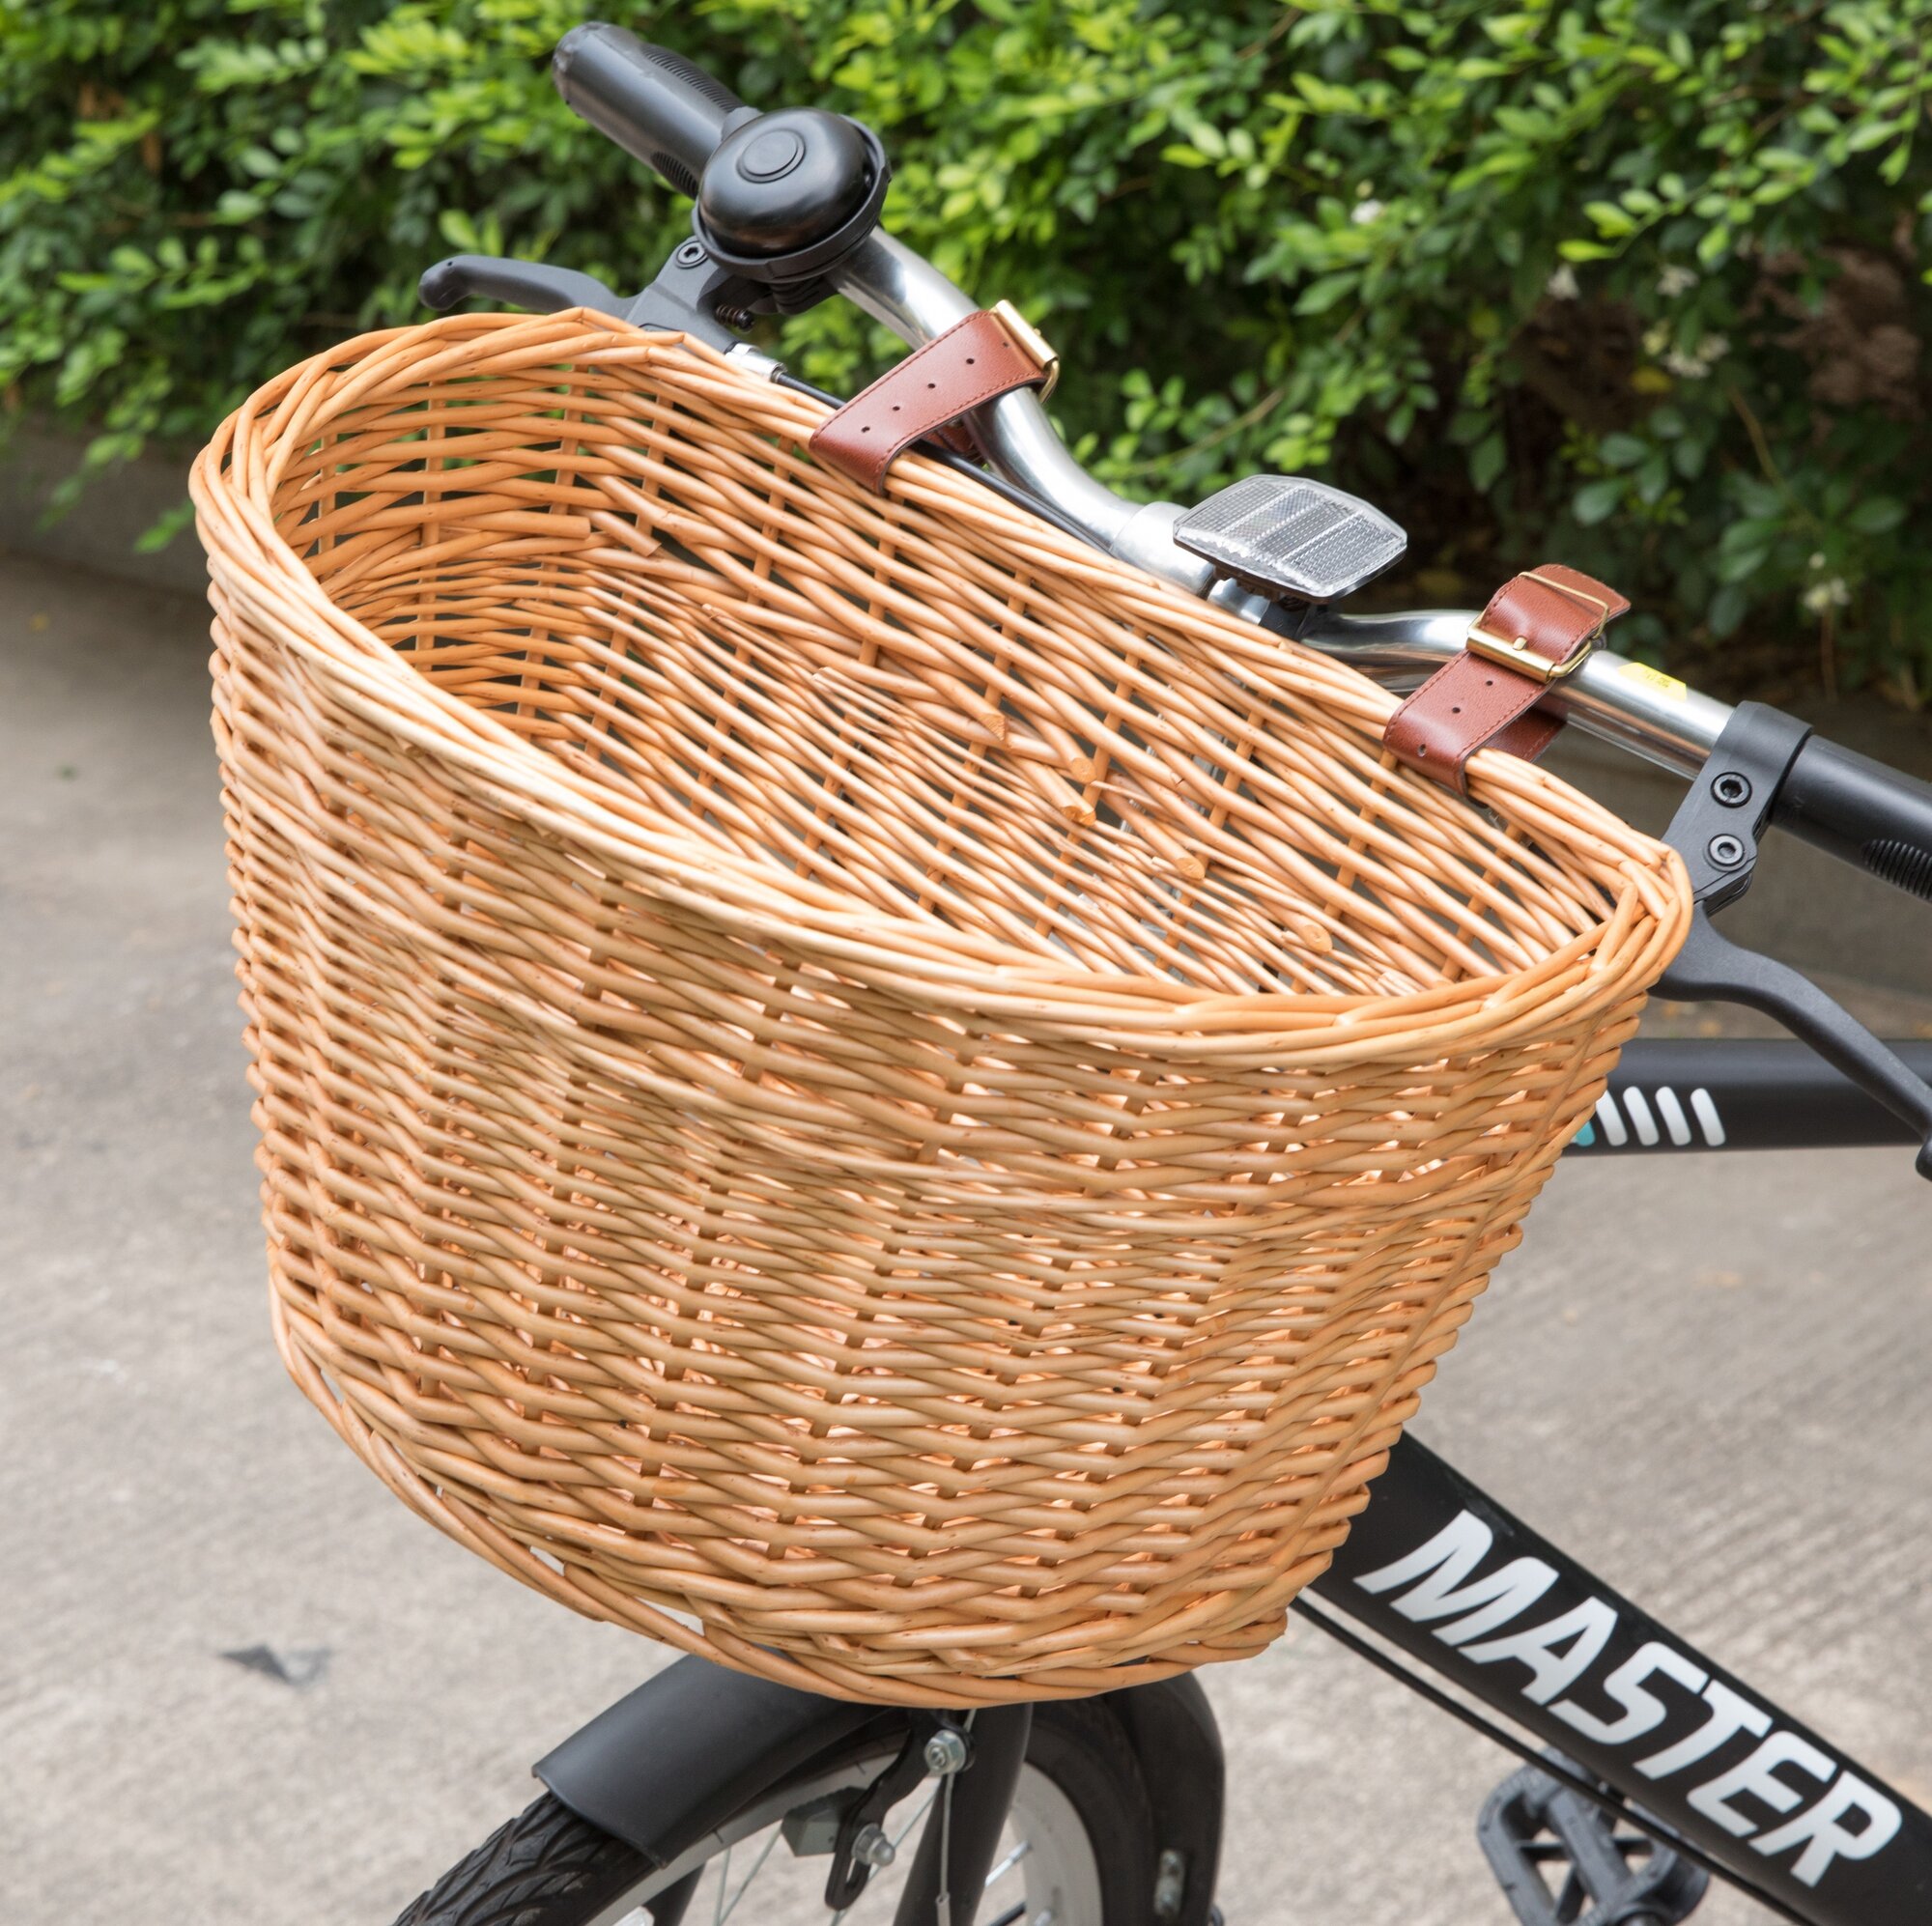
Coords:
1586,1630
1824,1839
1758,1776
1643,1712
1729,1716
1441,1570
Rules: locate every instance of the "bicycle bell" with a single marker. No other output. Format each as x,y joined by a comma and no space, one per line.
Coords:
786,196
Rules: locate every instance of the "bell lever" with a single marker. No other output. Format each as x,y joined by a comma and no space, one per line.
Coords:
525,284
1715,830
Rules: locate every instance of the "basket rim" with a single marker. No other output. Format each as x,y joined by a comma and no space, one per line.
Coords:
960,970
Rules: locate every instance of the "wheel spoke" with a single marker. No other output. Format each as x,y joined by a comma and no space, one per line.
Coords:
757,1865
924,1807
1011,1859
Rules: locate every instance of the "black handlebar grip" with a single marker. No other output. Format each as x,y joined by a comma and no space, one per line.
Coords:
1860,811
652,103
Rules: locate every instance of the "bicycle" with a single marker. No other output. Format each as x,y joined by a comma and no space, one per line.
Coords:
1648,1770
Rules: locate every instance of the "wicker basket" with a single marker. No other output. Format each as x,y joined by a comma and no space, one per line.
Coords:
843,1081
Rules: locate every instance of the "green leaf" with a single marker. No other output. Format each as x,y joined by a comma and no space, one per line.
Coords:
1325,96
1488,458
1727,609
1596,501
1611,219
1510,29
1623,451
1877,515
1737,565
1714,245
1328,293
1689,455
164,528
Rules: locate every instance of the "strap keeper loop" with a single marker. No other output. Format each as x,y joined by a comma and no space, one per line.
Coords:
1031,342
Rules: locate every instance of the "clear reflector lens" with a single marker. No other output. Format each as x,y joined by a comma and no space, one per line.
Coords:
1286,536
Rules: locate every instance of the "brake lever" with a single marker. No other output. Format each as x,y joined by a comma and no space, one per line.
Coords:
1716,830
686,296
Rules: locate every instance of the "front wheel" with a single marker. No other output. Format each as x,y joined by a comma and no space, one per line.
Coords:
1077,1850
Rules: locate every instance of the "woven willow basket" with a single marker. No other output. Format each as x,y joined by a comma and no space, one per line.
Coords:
843,1081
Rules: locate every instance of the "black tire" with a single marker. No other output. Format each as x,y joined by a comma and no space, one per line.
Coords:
1083,1748
548,1867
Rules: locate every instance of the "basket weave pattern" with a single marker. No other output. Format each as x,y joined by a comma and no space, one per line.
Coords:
843,1081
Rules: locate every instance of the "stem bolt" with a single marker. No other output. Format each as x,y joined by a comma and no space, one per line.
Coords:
946,1752
871,1848
690,254
1725,851
1732,789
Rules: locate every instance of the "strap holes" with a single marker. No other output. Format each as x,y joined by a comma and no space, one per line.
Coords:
1457,710
969,360
932,385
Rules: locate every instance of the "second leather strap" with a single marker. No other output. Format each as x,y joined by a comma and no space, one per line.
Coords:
1536,628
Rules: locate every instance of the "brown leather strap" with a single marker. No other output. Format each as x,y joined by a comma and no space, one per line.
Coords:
974,361
1538,627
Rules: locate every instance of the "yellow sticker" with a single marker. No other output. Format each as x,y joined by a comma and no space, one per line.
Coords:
1665,685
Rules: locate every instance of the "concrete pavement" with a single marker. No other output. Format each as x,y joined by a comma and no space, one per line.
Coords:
1708,1377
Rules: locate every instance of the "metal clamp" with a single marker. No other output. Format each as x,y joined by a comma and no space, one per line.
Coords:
1715,830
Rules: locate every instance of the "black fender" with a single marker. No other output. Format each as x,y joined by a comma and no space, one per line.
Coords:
1171,1727
673,1760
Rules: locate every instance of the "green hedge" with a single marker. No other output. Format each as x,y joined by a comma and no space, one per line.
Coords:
1637,284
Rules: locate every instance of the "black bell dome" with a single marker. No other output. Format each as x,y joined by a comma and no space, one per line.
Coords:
784,181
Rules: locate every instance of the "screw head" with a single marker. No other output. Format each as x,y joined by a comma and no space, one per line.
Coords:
1732,789
871,1848
946,1752
1725,851
690,254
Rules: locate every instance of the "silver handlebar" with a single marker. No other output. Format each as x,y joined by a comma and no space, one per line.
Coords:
1612,697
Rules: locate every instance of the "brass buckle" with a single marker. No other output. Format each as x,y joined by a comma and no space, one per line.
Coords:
1518,655
1031,343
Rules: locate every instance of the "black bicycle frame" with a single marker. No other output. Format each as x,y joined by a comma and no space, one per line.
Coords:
1437,1567
1737,1093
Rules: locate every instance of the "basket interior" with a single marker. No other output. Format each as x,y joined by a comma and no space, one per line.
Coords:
628,567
